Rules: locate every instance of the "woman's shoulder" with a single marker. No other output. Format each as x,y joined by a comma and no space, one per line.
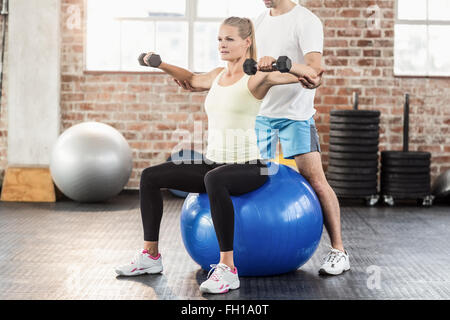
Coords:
216,72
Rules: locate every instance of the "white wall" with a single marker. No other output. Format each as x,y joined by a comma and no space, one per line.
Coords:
33,81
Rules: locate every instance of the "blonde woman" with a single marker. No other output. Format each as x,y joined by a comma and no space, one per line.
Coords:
232,105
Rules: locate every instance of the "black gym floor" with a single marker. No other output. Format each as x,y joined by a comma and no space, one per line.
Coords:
68,250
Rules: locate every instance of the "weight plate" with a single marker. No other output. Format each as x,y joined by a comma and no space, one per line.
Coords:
354,134
356,113
353,155
354,127
351,177
354,163
405,177
362,149
354,141
353,184
404,195
406,162
405,182
355,120
411,170
354,192
392,190
352,170
400,184
405,155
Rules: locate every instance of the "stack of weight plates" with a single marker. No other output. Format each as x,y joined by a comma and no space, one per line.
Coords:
405,175
353,156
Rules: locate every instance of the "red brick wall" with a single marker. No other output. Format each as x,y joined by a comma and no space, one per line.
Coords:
147,108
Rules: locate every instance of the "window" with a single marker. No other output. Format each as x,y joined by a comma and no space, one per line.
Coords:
422,33
184,32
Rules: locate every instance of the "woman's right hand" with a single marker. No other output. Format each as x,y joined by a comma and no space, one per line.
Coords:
147,56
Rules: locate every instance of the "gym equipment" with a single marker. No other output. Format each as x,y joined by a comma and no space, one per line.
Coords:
183,156
353,170
153,61
354,148
91,162
351,126
354,141
406,174
353,157
355,163
283,64
277,227
441,186
351,177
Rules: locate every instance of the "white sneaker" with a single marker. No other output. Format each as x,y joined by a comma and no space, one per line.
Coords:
142,263
222,279
336,262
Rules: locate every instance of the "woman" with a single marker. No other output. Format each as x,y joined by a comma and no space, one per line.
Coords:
233,164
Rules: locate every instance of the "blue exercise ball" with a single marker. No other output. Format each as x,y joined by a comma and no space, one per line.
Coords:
277,227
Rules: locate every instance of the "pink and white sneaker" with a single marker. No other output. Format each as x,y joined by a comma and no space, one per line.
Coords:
222,279
142,263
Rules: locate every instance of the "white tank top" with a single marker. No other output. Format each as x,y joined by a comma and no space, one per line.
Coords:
232,112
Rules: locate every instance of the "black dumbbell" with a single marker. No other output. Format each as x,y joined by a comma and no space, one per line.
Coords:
283,64
153,61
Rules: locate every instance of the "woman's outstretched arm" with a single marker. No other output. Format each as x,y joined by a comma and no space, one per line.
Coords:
201,81
297,73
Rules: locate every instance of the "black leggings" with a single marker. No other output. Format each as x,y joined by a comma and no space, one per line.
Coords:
218,180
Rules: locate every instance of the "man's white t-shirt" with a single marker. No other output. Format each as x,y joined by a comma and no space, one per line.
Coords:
293,34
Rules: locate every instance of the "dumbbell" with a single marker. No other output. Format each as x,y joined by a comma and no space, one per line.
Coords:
153,61
283,64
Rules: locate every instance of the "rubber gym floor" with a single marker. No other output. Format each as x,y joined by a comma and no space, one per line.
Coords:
67,250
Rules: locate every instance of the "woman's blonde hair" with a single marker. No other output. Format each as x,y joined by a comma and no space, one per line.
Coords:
246,29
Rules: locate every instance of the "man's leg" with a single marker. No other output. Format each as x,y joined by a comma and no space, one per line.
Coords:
300,141
310,166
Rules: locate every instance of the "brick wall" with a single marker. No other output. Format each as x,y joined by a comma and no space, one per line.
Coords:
147,108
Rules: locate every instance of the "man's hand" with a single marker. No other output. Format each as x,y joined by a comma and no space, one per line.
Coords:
312,78
314,60
187,86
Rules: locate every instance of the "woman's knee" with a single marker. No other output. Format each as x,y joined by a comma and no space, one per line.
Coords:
149,176
212,180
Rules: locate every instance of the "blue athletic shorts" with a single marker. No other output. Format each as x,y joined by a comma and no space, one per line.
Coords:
296,137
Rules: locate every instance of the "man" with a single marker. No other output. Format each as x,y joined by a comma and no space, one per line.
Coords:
289,29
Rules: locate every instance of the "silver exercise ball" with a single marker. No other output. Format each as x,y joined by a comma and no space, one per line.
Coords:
91,162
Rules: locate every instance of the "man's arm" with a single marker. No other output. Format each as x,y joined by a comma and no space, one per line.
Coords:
313,60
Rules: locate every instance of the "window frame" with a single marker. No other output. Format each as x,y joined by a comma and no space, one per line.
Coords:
190,17
427,22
